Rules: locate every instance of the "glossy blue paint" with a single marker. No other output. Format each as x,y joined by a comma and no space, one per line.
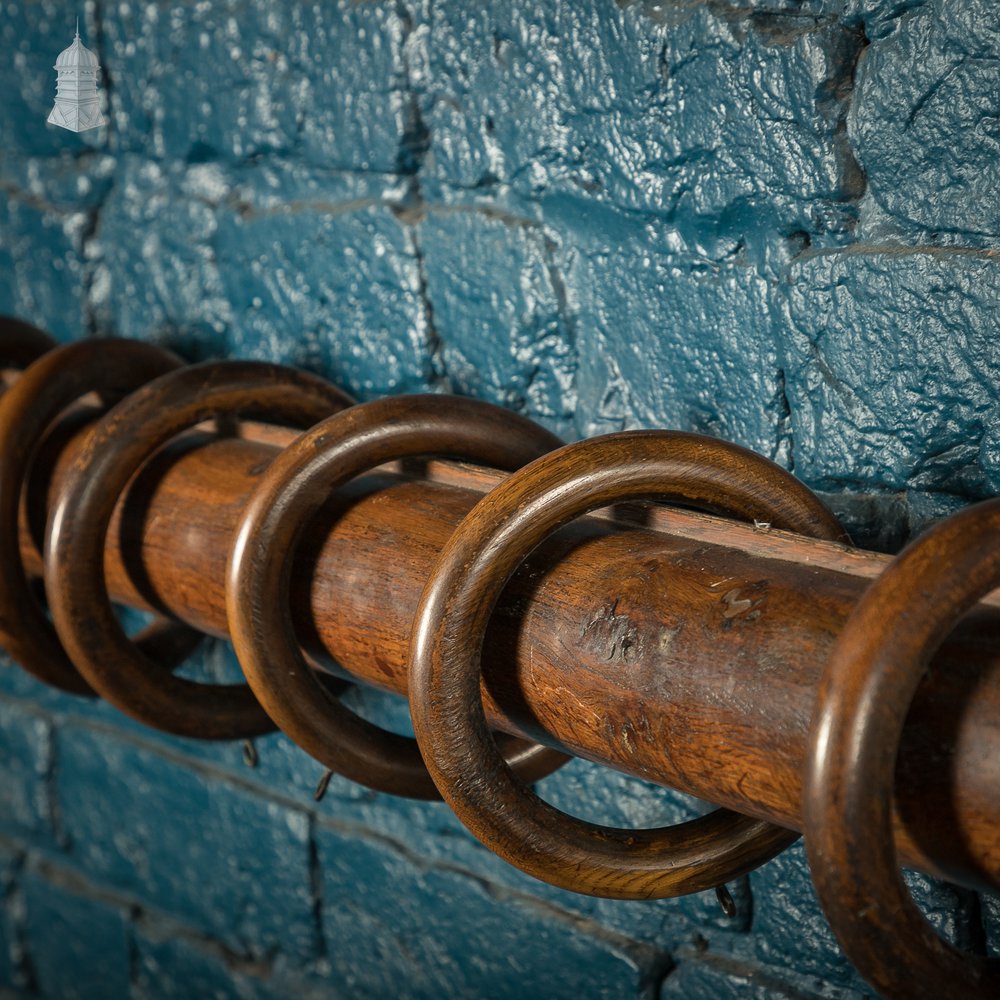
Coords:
76,946
775,221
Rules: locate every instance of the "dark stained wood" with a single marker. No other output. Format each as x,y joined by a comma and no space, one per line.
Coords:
259,605
118,445
686,650
20,344
450,628
112,368
873,673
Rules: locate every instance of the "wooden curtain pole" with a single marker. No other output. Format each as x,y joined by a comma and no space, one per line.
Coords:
678,647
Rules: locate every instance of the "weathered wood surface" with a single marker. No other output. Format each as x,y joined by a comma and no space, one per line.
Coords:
671,645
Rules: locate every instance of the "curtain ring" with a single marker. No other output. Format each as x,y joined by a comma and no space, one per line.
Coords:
58,379
289,494
446,651
870,679
119,444
21,343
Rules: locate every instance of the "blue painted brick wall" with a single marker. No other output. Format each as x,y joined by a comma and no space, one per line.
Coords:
775,221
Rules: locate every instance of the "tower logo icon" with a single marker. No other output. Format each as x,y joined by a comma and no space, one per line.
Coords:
78,104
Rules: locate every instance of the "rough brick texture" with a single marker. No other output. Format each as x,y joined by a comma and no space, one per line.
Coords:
775,221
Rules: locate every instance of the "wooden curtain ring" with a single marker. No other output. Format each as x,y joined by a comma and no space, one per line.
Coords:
118,445
21,343
112,368
451,622
257,591
868,684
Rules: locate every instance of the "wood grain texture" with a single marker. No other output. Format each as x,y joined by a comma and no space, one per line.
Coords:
873,672
671,645
453,618
119,444
110,368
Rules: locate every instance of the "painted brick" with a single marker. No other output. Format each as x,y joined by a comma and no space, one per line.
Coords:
34,34
156,273
172,968
9,866
790,930
25,759
40,269
321,84
225,860
19,689
648,120
52,180
990,903
515,349
18,683
166,233
366,278
205,664
717,314
433,836
76,945
769,220
395,927
952,911
279,764
702,972
605,796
